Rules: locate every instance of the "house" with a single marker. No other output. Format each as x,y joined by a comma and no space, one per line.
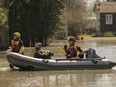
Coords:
106,17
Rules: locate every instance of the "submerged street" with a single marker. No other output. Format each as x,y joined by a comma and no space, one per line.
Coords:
66,78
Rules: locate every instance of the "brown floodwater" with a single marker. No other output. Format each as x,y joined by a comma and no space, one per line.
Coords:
65,78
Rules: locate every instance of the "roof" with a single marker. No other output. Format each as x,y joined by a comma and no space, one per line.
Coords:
106,7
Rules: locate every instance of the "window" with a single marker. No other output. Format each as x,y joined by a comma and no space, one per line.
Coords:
109,19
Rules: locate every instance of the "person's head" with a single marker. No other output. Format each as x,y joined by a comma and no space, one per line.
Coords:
38,45
16,35
72,40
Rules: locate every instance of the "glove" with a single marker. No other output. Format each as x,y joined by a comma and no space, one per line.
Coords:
81,55
85,51
21,51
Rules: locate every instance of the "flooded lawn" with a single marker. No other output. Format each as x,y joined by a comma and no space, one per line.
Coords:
72,78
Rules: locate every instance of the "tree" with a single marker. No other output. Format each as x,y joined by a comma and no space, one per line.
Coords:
6,3
3,18
3,29
38,18
75,13
47,18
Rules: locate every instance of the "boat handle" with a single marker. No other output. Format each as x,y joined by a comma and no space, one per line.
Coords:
45,61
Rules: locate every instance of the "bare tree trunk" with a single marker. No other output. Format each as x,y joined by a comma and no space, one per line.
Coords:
75,15
6,3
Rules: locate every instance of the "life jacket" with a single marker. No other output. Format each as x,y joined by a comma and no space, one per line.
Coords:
16,45
72,50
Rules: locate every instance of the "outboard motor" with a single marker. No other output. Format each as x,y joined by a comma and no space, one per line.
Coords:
91,53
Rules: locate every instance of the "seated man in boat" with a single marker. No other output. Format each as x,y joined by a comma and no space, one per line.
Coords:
41,53
16,45
72,50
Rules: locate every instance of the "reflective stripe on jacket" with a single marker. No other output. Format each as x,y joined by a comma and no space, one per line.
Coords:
72,50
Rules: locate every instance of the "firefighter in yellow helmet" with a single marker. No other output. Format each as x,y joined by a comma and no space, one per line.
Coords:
72,50
16,45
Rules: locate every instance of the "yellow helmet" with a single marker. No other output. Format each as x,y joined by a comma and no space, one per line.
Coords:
17,34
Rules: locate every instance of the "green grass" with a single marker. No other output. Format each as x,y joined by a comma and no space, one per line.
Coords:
89,37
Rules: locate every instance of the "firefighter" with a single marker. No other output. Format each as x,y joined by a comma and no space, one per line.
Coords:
72,50
16,45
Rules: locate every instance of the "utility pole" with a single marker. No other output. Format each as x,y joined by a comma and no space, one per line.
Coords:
66,31
98,18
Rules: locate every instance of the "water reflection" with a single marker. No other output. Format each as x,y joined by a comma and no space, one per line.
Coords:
96,78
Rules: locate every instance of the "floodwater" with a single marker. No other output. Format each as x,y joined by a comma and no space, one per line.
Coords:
66,78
